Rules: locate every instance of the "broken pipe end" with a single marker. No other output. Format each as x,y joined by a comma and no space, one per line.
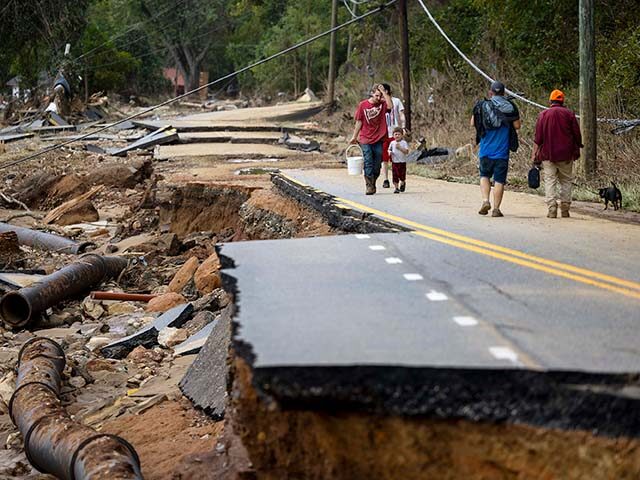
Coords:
15,309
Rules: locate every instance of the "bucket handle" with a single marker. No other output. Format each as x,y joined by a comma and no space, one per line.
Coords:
346,152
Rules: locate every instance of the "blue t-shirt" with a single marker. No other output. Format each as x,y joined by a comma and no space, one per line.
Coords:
495,144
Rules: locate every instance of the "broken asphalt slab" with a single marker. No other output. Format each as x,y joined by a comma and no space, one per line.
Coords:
195,342
340,340
148,336
159,137
207,381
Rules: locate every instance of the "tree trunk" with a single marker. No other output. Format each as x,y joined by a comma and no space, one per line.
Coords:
307,63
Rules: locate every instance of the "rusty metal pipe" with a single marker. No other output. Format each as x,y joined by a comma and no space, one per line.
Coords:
19,307
125,297
53,442
46,241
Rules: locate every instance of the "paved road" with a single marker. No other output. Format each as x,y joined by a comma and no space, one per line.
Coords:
461,291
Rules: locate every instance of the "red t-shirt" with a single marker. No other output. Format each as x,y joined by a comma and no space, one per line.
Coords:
374,123
558,135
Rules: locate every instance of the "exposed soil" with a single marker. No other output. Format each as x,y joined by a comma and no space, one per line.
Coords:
237,212
166,435
318,445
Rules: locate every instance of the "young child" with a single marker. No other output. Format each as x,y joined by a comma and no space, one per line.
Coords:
398,149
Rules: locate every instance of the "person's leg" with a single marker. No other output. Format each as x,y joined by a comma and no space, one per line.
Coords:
550,172
377,158
402,176
500,171
386,161
367,153
565,177
498,192
396,178
486,171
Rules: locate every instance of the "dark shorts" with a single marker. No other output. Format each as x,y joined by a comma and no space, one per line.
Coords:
496,168
399,171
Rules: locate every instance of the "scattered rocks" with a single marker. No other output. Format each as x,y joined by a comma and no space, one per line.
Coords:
162,303
207,277
214,301
77,382
92,309
96,343
141,354
170,337
184,275
199,321
121,308
100,365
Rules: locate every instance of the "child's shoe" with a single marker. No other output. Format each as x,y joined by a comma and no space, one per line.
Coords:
385,184
403,186
396,190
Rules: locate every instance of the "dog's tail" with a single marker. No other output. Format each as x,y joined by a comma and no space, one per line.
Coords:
614,185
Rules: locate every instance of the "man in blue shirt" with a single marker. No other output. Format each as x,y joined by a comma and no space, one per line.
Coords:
494,120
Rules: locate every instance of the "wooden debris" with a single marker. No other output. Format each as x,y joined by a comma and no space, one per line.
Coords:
57,212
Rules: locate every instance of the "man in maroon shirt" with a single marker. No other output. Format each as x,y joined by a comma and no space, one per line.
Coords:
557,145
370,131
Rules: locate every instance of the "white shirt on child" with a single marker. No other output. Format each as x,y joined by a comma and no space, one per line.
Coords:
396,155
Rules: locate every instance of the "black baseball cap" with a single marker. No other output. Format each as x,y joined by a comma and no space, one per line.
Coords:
497,88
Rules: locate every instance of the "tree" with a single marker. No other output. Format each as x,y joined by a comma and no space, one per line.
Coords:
187,32
37,33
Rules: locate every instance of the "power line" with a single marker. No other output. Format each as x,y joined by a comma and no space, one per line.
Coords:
622,122
195,90
466,59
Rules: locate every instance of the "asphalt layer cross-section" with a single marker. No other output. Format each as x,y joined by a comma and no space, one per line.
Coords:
372,322
522,320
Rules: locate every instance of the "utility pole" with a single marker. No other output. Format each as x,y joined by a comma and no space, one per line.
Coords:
332,58
406,72
588,122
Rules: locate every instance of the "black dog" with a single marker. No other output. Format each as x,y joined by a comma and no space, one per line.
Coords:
613,195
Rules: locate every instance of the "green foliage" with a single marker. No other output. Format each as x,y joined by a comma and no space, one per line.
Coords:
107,69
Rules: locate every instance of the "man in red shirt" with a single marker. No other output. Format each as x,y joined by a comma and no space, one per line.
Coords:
557,144
370,131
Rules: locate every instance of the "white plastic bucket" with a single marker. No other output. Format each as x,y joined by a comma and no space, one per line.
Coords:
355,164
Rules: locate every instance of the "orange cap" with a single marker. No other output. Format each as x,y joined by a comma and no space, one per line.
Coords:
556,96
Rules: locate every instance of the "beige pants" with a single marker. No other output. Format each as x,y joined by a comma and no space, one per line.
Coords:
557,176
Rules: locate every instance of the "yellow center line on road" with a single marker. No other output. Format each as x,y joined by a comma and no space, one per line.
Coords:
529,264
578,274
514,256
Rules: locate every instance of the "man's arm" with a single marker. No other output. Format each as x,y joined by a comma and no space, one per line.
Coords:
517,124
534,154
472,122
356,131
387,97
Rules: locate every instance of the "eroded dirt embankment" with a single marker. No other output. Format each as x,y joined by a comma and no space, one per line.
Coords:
350,446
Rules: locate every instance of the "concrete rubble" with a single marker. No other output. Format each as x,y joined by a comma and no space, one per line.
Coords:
130,343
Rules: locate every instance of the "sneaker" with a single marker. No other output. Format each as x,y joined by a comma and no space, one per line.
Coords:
484,209
396,191
385,184
496,213
553,212
403,186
